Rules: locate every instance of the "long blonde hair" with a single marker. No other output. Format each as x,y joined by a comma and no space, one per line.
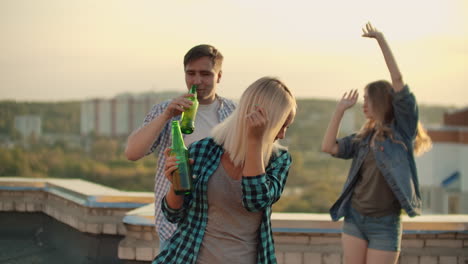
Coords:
278,102
381,97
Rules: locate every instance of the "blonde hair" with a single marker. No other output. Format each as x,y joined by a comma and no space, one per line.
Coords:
423,142
279,103
381,97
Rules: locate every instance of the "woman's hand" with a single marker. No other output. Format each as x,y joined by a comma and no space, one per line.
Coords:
371,32
397,79
257,122
348,100
256,125
172,164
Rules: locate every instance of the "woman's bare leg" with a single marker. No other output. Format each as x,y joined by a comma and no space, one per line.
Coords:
381,256
354,249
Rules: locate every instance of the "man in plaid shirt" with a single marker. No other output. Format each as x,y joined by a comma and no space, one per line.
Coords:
202,66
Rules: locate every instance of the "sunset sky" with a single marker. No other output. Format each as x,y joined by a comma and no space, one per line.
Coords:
52,50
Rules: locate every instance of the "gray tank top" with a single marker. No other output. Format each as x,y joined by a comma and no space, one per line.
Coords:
231,234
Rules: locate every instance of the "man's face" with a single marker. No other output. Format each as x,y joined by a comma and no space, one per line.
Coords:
201,72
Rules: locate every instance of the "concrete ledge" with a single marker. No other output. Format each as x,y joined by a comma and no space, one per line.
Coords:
306,223
291,222
299,238
85,206
143,216
313,238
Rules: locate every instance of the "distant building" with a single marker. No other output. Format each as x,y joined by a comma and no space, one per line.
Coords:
443,172
118,116
28,125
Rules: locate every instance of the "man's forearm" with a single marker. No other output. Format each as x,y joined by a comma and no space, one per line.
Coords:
141,140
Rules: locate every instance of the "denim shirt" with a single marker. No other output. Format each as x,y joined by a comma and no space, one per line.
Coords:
394,158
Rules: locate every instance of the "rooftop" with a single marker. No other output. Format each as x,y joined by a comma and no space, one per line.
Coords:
49,220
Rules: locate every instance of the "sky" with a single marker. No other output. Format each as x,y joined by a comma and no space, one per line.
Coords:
55,50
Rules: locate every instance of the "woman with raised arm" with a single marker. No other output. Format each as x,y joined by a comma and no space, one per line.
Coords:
238,174
382,179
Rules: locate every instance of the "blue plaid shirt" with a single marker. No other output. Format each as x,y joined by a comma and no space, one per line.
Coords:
165,229
258,194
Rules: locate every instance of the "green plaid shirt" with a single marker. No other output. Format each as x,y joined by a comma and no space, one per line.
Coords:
259,193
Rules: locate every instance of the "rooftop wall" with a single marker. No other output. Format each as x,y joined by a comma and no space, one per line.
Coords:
299,238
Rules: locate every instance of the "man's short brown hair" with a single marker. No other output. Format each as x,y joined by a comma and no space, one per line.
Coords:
204,50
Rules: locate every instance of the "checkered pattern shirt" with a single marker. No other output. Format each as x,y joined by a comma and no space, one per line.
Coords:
165,229
258,194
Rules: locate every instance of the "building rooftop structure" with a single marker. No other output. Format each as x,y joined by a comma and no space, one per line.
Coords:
443,172
52,220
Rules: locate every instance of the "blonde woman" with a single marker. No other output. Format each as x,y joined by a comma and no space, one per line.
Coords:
240,172
383,178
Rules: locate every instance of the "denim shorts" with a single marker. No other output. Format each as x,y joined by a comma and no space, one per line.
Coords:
381,233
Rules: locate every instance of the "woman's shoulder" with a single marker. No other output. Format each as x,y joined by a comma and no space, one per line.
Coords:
281,154
206,140
203,144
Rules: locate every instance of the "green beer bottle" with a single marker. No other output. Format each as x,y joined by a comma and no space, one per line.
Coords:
187,120
182,177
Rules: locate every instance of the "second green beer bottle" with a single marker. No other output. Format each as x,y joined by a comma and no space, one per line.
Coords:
187,120
182,177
